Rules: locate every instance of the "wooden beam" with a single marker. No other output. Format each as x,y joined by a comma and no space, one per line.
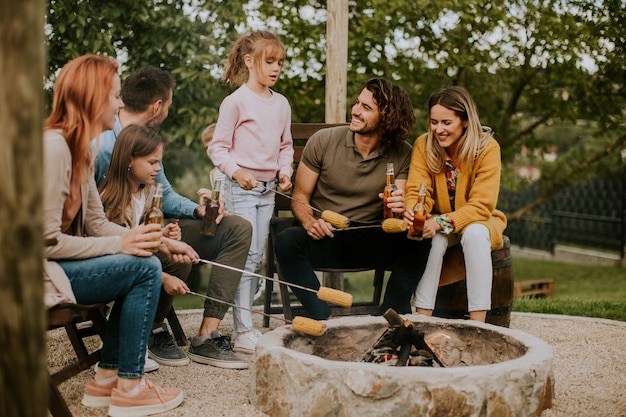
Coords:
336,60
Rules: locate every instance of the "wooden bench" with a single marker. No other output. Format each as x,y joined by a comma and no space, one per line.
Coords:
80,321
534,288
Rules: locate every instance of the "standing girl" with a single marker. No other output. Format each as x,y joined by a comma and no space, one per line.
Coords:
459,161
252,146
99,260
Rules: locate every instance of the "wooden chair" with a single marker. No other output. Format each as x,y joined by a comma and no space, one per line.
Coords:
332,277
80,321
177,330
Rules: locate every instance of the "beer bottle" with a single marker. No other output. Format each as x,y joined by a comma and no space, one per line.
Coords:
419,215
212,211
155,213
390,187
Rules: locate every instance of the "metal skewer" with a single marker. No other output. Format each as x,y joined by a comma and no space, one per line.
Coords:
300,324
235,305
331,295
296,200
232,268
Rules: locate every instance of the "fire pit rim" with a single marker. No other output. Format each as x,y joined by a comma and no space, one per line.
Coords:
537,350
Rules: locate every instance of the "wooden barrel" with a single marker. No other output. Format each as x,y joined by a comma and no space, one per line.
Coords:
452,297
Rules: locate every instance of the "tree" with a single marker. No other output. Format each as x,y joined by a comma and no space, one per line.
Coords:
528,64
183,37
23,371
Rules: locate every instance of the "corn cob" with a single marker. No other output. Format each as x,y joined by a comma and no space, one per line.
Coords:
336,219
394,225
308,326
334,296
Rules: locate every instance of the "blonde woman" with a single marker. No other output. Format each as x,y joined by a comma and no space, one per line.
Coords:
459,161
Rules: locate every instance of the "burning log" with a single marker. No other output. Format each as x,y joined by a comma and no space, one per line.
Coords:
402,343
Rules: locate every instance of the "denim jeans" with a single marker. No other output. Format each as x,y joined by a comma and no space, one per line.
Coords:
478,268
133,283
256,206
299,255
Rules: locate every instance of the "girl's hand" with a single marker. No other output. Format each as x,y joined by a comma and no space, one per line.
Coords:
172,231
140,239
284,182
173,285
178,251
245,180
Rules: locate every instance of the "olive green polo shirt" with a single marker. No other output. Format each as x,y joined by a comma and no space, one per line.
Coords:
348,184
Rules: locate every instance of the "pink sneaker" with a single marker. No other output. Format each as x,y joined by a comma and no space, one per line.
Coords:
151,399
97,395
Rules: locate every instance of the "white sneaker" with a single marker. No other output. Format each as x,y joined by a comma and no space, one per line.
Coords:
148,366
246,342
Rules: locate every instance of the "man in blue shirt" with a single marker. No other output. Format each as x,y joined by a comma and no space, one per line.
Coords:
147,95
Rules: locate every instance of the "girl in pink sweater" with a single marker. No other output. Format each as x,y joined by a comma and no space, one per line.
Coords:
252,146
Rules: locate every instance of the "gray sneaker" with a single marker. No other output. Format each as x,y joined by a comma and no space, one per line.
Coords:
216,351
164,350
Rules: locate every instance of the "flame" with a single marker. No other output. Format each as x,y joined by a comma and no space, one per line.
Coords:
437,344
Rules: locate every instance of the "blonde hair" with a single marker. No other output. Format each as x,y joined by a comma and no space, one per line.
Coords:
474,138
207,134
261,45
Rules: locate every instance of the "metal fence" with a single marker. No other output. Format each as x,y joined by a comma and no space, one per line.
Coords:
591,215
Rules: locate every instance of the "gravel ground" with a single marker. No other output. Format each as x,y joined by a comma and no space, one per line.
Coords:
589,370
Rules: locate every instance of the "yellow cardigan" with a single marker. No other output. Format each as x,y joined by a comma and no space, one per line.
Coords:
476,191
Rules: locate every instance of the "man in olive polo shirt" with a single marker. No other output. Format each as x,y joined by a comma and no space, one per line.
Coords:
343,169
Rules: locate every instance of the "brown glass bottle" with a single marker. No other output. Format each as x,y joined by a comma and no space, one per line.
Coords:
209,226
155,213
419,215
390,187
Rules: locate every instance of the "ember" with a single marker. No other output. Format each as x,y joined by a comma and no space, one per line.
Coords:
402,344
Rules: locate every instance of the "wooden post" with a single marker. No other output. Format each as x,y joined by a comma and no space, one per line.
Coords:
336,60
23,372
336,81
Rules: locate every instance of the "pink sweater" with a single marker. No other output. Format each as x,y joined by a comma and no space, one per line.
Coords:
253,133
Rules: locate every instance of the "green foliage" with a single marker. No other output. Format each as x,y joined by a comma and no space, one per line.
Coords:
528,64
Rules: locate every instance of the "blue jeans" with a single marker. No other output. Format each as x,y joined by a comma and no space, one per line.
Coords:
298,256
134,284
256,206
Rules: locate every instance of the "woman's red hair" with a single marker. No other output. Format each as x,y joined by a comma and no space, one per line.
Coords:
81,92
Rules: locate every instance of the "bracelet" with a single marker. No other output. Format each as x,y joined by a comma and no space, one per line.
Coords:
446,223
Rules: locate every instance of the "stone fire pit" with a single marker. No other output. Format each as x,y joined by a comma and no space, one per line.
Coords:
489,371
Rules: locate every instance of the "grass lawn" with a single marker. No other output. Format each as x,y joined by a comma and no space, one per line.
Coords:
589,291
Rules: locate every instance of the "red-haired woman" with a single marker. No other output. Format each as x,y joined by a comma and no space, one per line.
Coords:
100,260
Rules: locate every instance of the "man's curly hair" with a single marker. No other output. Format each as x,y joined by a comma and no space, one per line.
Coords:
396,113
